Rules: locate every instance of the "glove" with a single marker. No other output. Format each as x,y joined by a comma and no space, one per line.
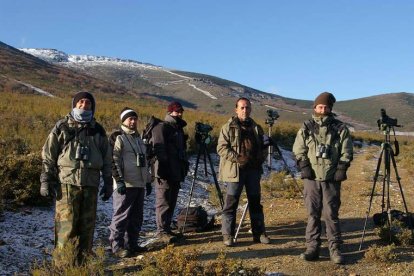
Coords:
242,160
149,189
44,189
340,174
305,169
120,187
106,190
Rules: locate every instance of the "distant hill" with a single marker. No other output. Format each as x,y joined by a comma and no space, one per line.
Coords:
44,71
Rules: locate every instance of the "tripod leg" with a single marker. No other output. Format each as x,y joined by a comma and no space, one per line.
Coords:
370,198
287,168
402,194
270,153
241,221
219,193
191,190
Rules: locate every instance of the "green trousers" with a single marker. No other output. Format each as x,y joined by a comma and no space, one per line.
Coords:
75,217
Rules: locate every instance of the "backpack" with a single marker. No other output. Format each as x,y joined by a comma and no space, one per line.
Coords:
381,219
147,136
197,219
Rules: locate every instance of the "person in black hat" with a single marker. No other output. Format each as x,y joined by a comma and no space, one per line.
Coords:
323,149
170,168
131,176
74,155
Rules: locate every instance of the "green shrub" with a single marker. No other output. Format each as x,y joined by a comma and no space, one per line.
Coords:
64,263
280,184
381,254
176,261
398,233
19,174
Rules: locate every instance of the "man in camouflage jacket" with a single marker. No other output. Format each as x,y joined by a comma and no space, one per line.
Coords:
323,149
74,155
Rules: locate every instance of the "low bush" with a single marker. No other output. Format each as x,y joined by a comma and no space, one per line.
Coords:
280,184
175,261
20,174
64,263
381,254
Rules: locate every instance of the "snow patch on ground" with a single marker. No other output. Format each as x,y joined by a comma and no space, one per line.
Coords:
27,235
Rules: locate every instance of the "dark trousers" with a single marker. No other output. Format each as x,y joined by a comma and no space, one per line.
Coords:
250,179
322,199
166,194
127,218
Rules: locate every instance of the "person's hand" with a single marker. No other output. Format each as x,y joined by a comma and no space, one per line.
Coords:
148,188
340,174
242,160
305,169
106,190
44,189
120,187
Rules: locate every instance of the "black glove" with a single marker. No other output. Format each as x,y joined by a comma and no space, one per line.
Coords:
305,169
44,189
149,189
120,187
107,189
340,174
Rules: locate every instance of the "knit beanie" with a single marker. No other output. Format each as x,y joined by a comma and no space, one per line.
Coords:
175,106
84,95
325,98
126,113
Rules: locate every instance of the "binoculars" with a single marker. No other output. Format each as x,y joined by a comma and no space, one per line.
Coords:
82,153
323,151
140,160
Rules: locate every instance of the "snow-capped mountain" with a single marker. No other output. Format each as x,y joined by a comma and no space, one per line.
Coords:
56,56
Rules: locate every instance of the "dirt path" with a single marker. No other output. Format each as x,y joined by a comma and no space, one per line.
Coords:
286,221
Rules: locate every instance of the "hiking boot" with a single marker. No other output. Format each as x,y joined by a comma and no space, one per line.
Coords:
336,256
228,240
262,239
310,254
167,238
122,253
137,249
178,235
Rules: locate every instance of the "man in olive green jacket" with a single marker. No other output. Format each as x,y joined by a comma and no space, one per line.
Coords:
242,153
323,149
74,155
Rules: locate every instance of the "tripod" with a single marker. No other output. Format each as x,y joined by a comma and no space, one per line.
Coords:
203,140
272,145
387,153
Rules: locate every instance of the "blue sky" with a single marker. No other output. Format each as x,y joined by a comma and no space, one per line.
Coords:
296,49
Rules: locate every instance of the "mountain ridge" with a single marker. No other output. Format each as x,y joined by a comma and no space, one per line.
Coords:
195,90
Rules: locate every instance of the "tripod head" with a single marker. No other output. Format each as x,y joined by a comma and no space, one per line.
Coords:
385,123
202,135
272,116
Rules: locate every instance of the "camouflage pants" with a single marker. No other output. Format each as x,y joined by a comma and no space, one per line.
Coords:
75,217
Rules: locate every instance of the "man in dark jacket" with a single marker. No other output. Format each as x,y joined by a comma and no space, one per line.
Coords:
170,168
323,149
74,154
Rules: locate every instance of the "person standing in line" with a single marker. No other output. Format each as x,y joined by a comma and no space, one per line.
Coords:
74,155
324,150
242,153
131,176
170,168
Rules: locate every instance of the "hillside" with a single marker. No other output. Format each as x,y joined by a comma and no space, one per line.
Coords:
21,72
52,72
